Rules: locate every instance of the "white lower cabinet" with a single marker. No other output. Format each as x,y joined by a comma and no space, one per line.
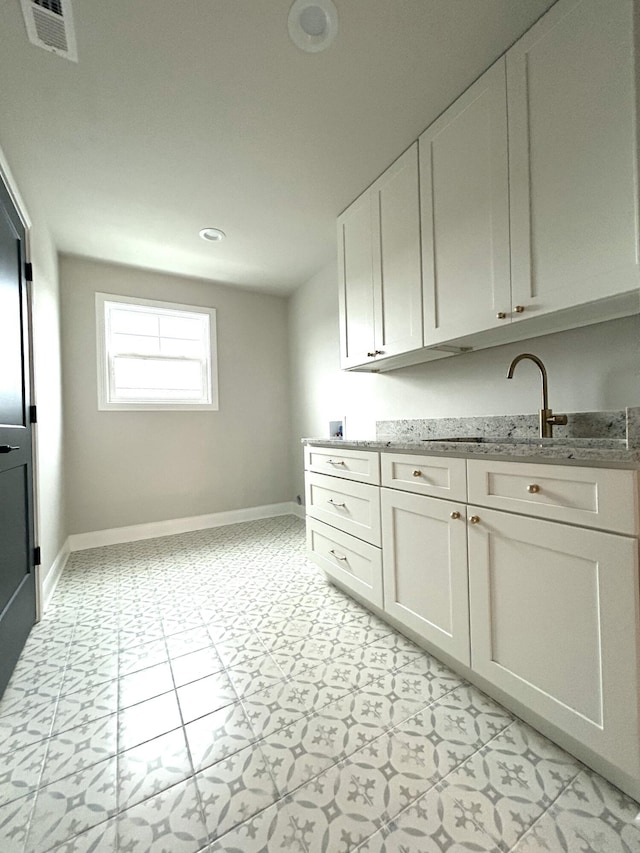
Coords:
343,518
425,568
505,572
554,623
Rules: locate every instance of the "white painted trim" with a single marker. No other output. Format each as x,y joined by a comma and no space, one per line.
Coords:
12,187
154,529
53,575
298,510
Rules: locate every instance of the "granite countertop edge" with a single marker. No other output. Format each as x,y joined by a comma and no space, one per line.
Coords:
595,456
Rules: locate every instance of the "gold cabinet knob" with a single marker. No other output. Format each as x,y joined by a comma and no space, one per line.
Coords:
417,473
455,515
533,488
501,315
371,354
474,519
519,309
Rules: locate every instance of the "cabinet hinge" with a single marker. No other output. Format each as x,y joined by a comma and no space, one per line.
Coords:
37,556
28,272
33,414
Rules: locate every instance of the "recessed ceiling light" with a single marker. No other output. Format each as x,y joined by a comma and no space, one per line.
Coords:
213,235
313,24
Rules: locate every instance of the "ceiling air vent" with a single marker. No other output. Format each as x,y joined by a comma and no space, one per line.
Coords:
50,25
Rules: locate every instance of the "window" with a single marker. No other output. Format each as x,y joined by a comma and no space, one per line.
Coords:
155,355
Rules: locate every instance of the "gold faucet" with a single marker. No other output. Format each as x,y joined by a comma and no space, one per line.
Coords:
547,419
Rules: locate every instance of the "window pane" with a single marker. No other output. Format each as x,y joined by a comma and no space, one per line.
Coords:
149,395
136,344
134,322
157,375
156,353
190,328
187,349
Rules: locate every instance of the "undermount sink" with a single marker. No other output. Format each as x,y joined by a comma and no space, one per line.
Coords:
612,443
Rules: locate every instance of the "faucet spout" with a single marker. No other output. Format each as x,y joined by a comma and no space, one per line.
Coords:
543,371
547,418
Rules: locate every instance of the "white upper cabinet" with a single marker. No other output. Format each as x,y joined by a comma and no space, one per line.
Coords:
464,188
397,268
380,268
572,157
526,217
355,270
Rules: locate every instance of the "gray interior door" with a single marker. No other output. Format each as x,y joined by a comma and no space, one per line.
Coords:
17,571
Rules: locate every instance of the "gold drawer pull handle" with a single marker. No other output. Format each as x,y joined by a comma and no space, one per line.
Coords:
455,515
474,519
334,503
533,489
338,556
417,473
334,462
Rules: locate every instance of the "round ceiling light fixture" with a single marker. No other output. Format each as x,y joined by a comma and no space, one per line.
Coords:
313,24
212,235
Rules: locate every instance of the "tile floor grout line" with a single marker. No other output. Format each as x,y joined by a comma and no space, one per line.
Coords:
188,747
241,566
581,768
442,779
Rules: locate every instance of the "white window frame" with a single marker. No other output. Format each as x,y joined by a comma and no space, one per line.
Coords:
105,402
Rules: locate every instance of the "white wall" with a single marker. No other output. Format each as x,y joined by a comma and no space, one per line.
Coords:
50,462
129,468
592,368
51,531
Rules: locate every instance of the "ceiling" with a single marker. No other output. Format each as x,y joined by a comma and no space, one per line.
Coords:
194,113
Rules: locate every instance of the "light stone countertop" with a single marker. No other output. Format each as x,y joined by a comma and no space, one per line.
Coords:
597,439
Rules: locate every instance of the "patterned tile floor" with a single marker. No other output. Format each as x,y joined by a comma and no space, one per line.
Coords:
211,692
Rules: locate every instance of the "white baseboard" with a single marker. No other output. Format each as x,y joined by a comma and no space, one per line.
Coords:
154,529
298,510
53,575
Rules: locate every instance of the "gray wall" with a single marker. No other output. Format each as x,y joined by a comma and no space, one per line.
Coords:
128,468
592,368
49,457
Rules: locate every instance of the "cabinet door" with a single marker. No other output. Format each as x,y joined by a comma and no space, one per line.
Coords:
572,157
425,569
465,213
355,272
554,623
397,266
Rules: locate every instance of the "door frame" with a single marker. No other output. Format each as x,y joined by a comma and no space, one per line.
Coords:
9,181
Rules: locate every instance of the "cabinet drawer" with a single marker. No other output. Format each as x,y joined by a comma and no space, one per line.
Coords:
360,465
594,497
426,475
352,507
350,561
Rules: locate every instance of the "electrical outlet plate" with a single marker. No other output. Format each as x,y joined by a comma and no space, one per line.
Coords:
337,427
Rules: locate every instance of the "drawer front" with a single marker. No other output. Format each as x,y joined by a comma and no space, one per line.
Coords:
350,561
434,476
352,507
360,465
593,497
